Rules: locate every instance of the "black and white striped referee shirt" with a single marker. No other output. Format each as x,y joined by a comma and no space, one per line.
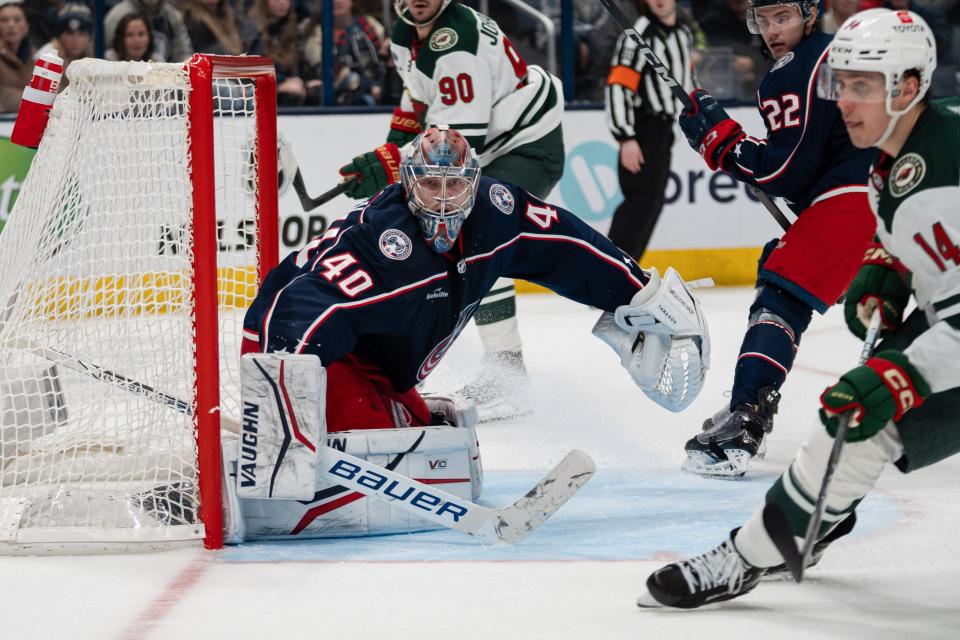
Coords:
630,89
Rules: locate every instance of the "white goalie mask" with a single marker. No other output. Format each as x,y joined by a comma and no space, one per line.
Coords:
439,173
401,7
882,42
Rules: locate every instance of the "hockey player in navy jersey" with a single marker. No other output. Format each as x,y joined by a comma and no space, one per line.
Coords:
807,159
383,294
458,67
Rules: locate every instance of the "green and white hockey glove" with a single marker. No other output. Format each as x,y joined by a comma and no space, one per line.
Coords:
880,390
373,170
878,284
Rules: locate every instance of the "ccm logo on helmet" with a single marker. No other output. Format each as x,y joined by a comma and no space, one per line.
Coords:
394,489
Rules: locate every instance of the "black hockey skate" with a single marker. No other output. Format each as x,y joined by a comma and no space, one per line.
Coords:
846,526
498,390
731,439
717,575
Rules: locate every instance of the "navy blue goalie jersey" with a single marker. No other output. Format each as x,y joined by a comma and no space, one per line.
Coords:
807,153
371,286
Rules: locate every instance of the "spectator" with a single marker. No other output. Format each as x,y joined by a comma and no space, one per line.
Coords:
132,40
839,11
726,26
16,55
358,70
74,37
42,16
213,27
279,38
171,43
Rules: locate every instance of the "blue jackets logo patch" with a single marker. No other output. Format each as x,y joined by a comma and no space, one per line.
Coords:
783,61
395,244
501,198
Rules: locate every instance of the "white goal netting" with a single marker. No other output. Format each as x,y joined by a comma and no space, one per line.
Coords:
97,336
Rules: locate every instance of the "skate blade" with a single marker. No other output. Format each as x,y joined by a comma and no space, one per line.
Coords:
647,601
733,468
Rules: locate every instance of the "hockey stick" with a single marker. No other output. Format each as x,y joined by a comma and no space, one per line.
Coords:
102,374
508,524
683,97
308,203
775,520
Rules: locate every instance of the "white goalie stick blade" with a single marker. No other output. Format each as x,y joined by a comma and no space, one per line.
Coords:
508,524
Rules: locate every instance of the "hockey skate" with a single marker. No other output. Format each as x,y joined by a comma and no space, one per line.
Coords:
731,439
498,390
846,526
715,576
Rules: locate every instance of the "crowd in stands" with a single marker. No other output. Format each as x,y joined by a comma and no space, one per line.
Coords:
730,59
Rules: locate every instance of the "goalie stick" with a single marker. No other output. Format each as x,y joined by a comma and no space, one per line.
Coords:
684,99
508,524
775,520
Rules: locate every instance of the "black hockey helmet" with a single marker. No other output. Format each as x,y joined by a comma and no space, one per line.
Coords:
807,8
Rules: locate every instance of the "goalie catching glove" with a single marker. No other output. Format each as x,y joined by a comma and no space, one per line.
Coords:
372,171
662,340
878,391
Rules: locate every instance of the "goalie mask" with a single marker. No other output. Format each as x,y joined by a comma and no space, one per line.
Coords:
439,173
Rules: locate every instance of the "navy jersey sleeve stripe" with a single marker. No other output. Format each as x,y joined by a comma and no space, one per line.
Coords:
583,244
356,304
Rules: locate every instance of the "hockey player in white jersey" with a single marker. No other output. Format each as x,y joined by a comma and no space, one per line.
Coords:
460,69
905,400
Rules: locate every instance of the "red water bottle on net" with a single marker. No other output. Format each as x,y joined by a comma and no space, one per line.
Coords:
37,101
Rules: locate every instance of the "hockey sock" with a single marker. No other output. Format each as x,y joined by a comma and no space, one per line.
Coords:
777,320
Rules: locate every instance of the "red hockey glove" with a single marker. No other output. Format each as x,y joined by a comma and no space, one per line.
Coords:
709,130
882,389
374,170
404,127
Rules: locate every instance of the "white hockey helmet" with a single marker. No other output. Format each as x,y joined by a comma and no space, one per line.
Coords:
439,172
400,7
890,43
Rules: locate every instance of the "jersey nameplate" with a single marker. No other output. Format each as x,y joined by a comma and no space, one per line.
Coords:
443,39
906,174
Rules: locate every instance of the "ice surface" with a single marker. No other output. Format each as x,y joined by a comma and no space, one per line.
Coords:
580,573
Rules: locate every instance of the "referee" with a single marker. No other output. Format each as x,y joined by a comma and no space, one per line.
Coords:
641,111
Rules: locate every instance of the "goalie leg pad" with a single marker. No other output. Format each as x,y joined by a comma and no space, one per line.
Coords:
461,413
283,425
440,455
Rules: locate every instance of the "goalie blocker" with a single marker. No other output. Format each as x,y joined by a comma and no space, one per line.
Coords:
281,468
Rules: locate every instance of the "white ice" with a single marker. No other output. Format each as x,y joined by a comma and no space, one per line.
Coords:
577,576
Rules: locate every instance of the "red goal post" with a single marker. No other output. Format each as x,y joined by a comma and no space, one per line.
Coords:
204,69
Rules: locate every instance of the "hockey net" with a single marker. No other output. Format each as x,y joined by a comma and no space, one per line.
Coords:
145,225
